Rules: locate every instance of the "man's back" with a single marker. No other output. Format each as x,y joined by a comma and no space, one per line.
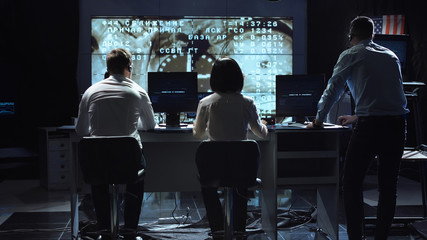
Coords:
376,81
112,107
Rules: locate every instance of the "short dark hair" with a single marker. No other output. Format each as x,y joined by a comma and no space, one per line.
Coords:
117,60
362,27
226,76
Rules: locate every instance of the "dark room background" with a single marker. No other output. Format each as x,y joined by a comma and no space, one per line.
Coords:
39,55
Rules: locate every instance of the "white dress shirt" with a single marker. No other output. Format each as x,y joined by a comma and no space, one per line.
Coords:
226,117
115,106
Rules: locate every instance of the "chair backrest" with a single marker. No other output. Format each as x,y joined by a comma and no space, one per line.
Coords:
109,160
228,163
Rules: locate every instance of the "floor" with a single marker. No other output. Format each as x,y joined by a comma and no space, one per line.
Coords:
28,211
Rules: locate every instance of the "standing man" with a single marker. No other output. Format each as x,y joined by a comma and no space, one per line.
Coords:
373,75
116,106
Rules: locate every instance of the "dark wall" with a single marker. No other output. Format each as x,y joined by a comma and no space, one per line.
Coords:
328,25
38,64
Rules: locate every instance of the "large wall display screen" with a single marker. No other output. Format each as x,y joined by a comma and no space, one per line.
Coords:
261,45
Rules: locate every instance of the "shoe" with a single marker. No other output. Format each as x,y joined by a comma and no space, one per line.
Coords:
133,238
129,234
104,237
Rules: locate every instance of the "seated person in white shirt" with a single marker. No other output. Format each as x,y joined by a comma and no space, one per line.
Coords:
116,106
227,115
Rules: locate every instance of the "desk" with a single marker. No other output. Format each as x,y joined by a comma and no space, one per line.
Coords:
171,168
306,158
420,158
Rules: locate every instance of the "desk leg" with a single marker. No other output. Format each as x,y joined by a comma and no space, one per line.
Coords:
268,199
423,180
269,212
327,213
73,191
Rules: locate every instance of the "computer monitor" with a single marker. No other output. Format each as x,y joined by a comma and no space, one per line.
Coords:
396,43
7,108
262,46
297,95
173,93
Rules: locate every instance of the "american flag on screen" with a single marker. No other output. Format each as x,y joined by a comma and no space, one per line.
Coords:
389,24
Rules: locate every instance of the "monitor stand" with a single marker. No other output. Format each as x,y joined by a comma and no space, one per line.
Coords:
172,120
299,119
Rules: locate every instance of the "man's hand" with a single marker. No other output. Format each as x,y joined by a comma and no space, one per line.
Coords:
264,122
316,124
347,119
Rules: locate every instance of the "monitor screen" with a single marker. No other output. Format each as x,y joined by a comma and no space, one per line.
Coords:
173,92
7,108
262,46
396,43
297,95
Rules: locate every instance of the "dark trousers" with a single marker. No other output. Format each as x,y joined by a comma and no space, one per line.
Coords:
383,137
215,213
133,202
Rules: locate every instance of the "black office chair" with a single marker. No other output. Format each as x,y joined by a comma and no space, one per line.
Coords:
113,161
230,165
